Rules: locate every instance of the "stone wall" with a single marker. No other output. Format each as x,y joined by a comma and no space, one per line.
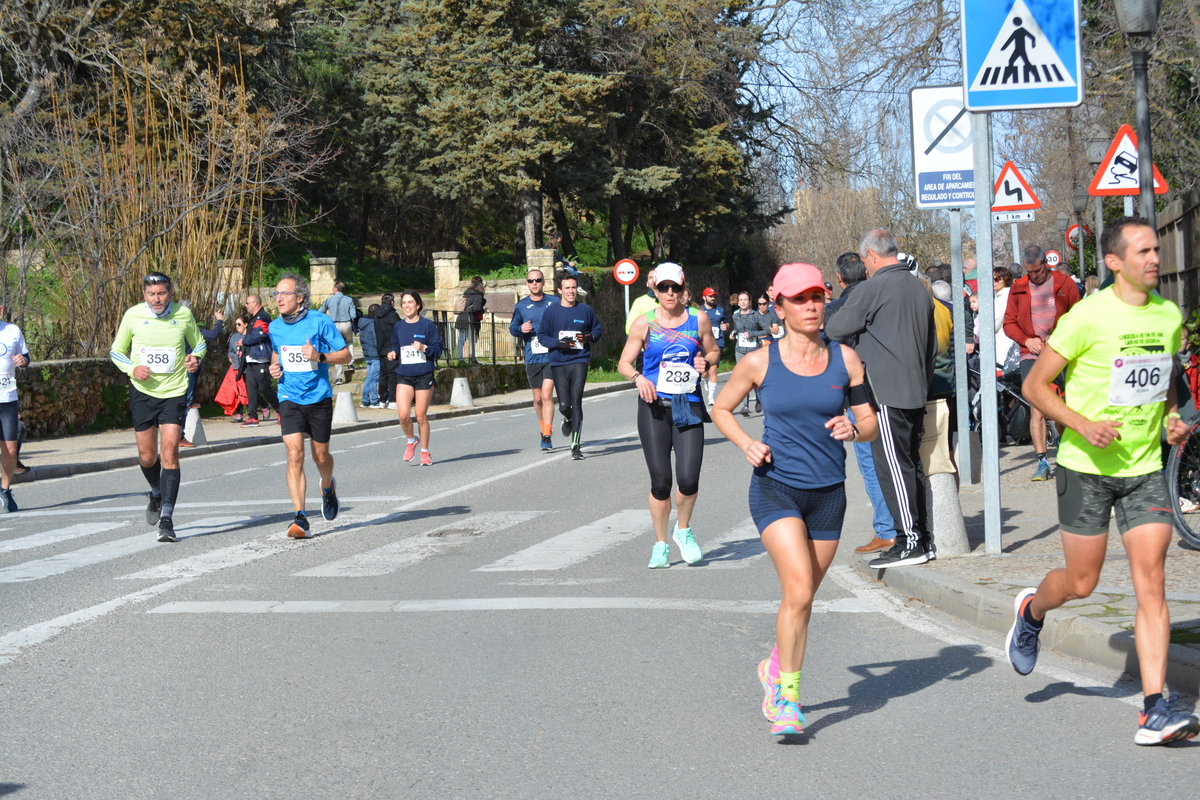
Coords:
484,379
59,398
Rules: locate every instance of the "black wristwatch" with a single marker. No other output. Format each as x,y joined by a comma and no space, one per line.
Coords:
321,357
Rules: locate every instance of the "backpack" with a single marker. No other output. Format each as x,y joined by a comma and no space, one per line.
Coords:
460,303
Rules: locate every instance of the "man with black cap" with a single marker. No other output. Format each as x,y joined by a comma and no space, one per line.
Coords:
719,324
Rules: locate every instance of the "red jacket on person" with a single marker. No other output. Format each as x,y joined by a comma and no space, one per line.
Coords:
1018,318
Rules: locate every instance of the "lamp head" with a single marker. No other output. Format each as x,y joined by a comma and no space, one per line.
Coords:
1137,17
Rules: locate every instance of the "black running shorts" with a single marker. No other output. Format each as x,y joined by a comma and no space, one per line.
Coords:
316,419
821,510
418,382
1086,501
537,373
148,412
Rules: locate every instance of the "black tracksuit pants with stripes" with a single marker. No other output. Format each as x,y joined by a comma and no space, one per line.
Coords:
897,454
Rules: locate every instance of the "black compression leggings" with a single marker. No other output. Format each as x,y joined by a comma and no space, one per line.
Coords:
568,384
659,436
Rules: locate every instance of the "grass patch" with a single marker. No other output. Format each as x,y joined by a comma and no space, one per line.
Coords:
370,276
1185,637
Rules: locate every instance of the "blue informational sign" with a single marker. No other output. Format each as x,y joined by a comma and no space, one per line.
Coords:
1021,54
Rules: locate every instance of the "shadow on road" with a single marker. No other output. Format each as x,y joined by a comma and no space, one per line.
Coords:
884,680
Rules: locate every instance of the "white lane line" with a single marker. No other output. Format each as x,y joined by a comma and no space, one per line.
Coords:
335,452
465,424
277,463
435,430
368,444
87,556
223,505
198,480
240,471
58,535
882,600
845,605
11,644
736,548
391,557
574,547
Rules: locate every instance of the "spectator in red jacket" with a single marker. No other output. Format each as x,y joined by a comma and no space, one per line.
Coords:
1035,304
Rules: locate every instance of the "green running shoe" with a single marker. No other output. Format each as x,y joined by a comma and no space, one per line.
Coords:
660,556
687,545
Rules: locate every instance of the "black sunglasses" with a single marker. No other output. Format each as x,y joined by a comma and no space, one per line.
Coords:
153,280
535,280
669,287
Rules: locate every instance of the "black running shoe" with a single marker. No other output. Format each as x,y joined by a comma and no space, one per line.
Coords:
299,528
153,510
7,501
900,555
566,424
166,530
576,453
329,501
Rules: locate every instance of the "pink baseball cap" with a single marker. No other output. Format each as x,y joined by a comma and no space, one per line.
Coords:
792,279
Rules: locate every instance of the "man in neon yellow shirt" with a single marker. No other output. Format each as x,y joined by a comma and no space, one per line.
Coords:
149,348
1118,347
642,303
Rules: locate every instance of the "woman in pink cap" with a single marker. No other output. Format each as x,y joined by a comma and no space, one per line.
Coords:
797,492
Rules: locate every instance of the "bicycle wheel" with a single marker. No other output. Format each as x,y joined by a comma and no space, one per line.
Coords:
1183,481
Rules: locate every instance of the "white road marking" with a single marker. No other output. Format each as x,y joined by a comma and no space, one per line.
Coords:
277,463
11,644
198,480
368,444
58,535
574,547
240,471
222,505
465,424
87,556
391,557
882,600
434,430
845,605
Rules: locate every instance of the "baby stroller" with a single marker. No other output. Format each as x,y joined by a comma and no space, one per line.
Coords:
1013,411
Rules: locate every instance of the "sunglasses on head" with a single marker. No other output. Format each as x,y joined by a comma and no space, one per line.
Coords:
669,287
154,280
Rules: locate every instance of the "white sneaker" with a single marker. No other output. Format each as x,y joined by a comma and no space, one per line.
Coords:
391,406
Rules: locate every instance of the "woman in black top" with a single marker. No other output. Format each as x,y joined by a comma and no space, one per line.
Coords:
467,322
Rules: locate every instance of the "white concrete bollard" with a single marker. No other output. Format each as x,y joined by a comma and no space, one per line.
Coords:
460,395
343,408
944,515
193,428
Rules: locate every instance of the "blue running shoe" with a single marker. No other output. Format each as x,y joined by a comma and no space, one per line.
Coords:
1164,724
546,444
329,501
770,689
788,718
1042,473
1022,643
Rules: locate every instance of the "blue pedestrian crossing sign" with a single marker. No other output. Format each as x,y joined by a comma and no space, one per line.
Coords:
1021,54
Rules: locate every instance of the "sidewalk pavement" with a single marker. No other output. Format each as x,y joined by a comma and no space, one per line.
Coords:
977,588
96,452
980,588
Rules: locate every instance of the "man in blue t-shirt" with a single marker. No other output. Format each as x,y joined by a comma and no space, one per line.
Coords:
719,324
527,316
304,343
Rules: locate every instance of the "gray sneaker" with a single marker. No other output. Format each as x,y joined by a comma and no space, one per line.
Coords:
153,510
1022,644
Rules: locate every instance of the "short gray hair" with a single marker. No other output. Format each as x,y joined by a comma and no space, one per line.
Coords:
1033,254
302,288
942,291
879,242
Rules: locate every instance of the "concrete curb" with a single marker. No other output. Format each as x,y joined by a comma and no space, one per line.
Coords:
1081,637
67,470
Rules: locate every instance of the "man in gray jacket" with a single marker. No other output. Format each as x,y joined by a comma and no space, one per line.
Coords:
891,313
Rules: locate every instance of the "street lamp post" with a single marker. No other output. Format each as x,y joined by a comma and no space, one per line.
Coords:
1097,147
1063,221
1138,20
1079,202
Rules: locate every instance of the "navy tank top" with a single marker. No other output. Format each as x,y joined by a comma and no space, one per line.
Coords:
671,345
795,409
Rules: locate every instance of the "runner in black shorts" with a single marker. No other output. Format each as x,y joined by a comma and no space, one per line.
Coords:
13,354
797,492
527,317
1119,344
150,349
303,345
416,345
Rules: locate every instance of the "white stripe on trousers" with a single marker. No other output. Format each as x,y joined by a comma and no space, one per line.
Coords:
899,488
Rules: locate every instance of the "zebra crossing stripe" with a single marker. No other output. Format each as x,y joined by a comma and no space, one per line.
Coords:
58,535
849,605
575,546
391,557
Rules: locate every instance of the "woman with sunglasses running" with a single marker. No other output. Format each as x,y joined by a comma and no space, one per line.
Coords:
797,492
677,350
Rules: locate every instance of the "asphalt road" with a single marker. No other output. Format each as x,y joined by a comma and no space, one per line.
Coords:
487,627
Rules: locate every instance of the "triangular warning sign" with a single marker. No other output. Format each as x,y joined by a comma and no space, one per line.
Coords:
1118,173
1021,57
1012,192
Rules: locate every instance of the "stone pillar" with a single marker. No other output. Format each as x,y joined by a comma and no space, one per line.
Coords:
231,279
445,279
322,274
543,259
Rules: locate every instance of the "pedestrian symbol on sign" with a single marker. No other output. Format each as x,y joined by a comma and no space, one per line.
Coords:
1017,41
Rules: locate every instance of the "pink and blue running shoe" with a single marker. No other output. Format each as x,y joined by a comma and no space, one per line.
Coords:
788,718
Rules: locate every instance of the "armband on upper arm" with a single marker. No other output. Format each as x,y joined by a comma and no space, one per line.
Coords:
859,395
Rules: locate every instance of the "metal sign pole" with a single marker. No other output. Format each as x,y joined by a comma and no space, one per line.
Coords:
981,131
1016,245
1101,270
961,390
627,300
